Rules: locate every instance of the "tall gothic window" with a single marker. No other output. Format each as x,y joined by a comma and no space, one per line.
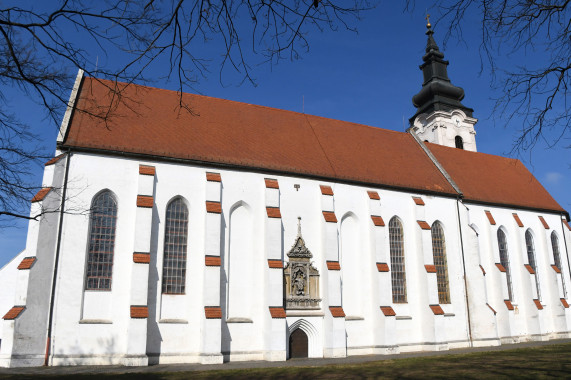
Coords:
398,274
531,259
557,260
103,220
439,253
504,260
459,142
174,260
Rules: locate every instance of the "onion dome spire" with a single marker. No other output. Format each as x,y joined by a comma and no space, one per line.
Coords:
437,92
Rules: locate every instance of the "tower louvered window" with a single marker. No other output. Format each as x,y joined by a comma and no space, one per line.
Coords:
174,260
103,220
398,273
439,253
557,260
531,259
505,261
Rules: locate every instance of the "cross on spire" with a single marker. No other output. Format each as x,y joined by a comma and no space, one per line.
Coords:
428,20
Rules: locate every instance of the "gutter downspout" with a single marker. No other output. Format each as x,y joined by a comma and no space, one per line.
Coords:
56,261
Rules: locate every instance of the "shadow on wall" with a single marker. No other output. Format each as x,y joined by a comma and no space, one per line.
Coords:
225,333
107,356
154,338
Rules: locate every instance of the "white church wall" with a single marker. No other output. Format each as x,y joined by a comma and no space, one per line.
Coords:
90,327
525,321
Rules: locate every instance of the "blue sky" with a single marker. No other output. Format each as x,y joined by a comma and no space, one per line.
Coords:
368,78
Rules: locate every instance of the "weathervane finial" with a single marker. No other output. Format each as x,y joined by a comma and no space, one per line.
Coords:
428,25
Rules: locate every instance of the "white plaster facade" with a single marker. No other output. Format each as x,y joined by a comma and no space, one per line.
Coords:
95,327
442,128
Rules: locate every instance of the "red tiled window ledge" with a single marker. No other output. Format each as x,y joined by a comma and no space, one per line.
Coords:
273,212
329,217
14,313
378,221
333,265
326,190
423,224
213,177
374,195
517,219
437,309
271,183
388,311
337,311
146,170
145,201
40,195
490,218
139,312
430,268
212,261
382,267
277,264
277,312
141,258
500,267
27,263
212,312
213,207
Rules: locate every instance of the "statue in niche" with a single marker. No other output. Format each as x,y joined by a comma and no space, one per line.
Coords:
301,278
299,282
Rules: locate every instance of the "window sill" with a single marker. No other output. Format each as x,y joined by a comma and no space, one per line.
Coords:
403,317
174,321
95,322
239,320
354,318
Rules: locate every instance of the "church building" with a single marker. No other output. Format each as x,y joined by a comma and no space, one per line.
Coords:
239,232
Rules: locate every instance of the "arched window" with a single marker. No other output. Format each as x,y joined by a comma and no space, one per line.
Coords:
103,220
174,259
557,260
531,259
504,260
439,253
459,142
398,274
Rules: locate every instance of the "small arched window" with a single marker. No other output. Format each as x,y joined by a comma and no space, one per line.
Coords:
459,142
174,259
557,260
504,260
439,253
103,220
398,273
531,259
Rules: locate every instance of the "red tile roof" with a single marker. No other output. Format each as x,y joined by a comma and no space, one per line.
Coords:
219,131
493,179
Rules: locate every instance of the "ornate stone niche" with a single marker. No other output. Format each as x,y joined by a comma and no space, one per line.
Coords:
301,278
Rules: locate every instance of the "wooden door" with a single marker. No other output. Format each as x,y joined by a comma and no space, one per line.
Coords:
298,344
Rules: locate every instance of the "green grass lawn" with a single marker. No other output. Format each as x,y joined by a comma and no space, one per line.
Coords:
552,361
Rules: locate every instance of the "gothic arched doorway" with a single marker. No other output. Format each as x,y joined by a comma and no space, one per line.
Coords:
298,344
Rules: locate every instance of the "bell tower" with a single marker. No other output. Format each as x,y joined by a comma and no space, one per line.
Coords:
440,118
